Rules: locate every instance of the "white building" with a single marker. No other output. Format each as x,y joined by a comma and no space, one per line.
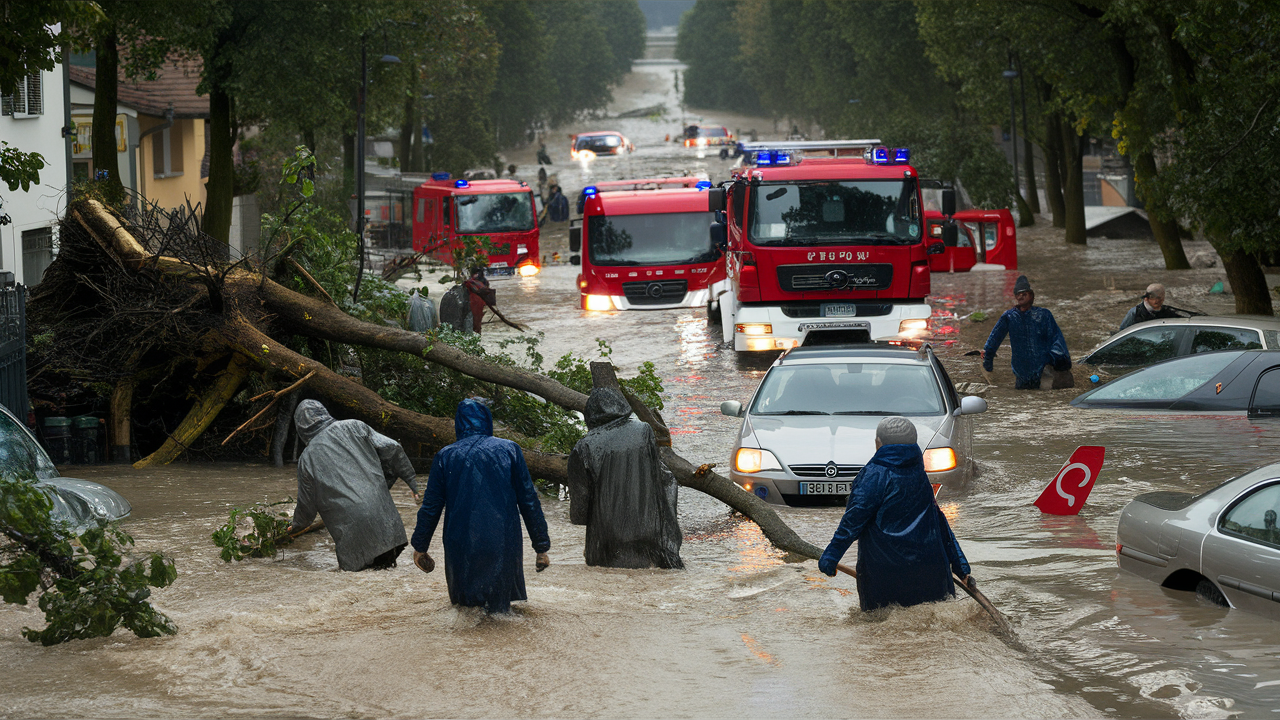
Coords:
32,120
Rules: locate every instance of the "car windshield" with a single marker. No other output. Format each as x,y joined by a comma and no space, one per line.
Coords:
712,132
20,453
1142,347
849,389
654,239
499,212
598,142
862,212
1167,381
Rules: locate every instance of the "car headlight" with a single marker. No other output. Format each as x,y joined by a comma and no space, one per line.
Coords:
752,460
939,459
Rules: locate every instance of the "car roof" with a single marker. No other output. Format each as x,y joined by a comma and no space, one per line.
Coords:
1255,322
851,353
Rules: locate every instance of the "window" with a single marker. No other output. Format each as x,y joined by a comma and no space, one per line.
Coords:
1169,381
1213,339
1254,517
27,100
422,210
166,151
1266,395
1273,338
861,212
37,253
850,389
1142,347
738,200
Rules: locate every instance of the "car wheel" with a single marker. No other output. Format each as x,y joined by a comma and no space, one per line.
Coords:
724,154
1207,591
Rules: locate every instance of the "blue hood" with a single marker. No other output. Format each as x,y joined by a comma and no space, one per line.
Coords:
905,456
473,418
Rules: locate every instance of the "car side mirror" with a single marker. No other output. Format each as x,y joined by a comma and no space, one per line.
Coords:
717,199
972,405
948,201
936,249
731,408
575,259
950,235
575,239
719,236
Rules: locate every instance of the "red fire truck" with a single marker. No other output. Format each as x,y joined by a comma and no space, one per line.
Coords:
445,209
985,236
825,243
646,245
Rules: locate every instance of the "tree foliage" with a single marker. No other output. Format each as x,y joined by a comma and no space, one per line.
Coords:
709,44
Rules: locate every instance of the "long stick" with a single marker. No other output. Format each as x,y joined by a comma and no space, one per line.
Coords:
974,593
279,394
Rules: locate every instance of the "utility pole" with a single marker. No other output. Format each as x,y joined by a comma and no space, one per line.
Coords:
364,84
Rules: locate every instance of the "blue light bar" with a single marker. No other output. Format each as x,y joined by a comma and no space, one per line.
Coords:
781,158
461,183
901,156
703,185
880,156
590,191
764,158
440,176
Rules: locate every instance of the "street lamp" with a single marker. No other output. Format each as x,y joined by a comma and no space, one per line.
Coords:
360,98
1010,75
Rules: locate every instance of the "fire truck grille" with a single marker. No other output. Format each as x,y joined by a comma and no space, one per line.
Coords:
655,292
817,471
814,278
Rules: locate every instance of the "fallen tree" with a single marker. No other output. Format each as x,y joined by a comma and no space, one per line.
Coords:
227,318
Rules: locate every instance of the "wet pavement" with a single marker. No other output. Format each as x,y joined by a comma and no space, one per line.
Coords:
740,632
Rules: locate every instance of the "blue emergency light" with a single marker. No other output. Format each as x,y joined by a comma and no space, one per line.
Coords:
590,191
901,156
767,158
703,185
461,183
440,176
887,156
880,156
764,158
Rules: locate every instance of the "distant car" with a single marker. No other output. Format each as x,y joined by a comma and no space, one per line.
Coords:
811,425
585,146
1223,544
1221,382
79,502
710,135
1155,340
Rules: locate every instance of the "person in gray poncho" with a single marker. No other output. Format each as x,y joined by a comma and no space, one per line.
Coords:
620,489
345,475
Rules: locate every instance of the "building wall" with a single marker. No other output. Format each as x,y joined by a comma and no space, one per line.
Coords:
172,190
39,208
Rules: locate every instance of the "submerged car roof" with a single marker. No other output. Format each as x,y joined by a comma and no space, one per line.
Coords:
827,353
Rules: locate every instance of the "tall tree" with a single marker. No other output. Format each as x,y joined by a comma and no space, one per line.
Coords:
709,44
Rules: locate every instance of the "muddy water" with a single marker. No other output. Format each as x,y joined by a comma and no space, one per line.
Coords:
739,633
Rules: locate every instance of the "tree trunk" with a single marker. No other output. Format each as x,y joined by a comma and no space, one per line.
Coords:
1244,272
1163,226
202,413
1026,218
220,186
1029,167
1073,184
1053,170
105,87
122,421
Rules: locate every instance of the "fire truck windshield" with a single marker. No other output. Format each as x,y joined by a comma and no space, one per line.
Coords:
499,212
655,239
852,212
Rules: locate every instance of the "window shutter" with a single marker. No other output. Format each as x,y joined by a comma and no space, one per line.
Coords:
35,94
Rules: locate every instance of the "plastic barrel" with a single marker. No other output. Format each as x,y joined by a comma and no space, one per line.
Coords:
84,440
57,439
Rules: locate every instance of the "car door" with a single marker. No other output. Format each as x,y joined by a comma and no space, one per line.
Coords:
1265,402
1241,554
1215,339
1145,346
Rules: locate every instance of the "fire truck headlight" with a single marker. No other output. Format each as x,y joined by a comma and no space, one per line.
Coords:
599,303
702,142
528,270
754,328
913,327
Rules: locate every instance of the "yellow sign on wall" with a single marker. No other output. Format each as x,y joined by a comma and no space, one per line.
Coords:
82,146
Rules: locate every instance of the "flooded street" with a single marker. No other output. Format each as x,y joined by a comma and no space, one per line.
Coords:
739,633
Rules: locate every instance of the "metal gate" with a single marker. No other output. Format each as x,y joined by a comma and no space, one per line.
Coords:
13,349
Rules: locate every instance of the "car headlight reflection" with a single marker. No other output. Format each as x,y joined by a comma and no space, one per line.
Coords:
939,459
752,460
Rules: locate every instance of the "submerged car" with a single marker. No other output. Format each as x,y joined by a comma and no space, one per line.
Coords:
811,424
1220,382
704,135
585,146
80,503
1156,340
1223,544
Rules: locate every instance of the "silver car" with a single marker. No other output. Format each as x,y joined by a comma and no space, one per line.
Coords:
1156,340
1223,544
811,424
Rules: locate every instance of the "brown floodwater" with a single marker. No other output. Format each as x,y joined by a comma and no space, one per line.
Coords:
739,632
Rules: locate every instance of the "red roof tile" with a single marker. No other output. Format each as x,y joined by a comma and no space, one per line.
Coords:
175,83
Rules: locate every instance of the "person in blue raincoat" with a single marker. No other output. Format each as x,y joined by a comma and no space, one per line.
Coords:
482,487
1035,340
906,550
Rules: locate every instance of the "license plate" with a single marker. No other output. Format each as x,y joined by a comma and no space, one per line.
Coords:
499,271
841,310
824,488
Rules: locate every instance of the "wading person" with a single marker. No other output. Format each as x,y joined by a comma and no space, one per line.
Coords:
620,489
906,550
1152,307
482,487
345,474
1035,340
480,295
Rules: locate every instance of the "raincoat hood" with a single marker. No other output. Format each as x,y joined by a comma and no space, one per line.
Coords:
604,406
311,418
472,418
899,455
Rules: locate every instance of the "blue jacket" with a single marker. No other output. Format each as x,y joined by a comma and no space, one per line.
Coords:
906,550
1035,340
485,486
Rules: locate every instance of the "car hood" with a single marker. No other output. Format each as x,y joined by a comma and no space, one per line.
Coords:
843,439
82,503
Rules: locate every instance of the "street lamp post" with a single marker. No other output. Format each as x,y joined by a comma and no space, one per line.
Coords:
1009,75
360,221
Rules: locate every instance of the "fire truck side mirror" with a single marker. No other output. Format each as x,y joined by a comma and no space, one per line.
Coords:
719,236
575,259
950,236
936,248
575,239
716,199
948,202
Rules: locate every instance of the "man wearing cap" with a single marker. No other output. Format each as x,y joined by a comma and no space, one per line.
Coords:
1152,307
906,550
1035,340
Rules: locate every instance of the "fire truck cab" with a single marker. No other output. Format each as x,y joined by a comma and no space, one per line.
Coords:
825,243
503,211
646,245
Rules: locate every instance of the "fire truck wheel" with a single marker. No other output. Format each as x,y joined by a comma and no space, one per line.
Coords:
713,313
724,154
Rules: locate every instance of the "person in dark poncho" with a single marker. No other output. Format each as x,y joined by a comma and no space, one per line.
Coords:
1035,340
906,550
482,487
345,474
620,489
